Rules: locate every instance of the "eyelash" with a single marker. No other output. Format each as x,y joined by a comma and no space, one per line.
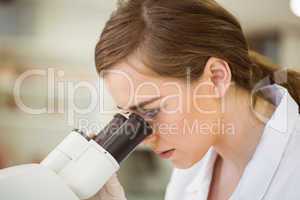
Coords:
149,112
145,112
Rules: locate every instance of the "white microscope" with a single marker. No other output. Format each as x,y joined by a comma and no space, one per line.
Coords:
79,166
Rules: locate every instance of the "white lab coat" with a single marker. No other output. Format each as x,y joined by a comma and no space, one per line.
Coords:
273,173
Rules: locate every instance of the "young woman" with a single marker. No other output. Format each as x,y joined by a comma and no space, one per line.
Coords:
228,120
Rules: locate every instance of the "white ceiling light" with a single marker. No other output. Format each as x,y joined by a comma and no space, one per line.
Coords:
295,6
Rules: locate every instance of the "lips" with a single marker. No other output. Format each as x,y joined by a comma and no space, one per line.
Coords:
166,154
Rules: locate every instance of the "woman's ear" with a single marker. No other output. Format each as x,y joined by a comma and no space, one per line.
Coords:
219,73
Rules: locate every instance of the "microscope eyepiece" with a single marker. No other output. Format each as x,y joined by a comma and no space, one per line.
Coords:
110,128
122,135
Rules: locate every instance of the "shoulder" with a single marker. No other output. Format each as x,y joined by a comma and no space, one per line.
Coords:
286,181
293,147
290,161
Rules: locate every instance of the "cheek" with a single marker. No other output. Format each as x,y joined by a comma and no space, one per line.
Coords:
173,131
178,131
190,149
169,125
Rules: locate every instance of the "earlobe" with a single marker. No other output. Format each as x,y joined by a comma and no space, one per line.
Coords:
219,90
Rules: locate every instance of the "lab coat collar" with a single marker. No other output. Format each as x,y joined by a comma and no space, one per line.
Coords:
199,187
264,163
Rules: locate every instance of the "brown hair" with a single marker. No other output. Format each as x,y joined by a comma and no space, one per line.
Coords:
176,35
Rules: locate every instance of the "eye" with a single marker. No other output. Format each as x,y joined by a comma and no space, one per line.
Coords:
149,113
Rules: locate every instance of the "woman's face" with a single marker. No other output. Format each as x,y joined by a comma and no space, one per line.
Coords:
188,111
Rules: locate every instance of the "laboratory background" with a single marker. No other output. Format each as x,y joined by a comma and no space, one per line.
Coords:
49,84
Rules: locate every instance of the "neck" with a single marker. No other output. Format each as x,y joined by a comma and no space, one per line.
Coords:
237,149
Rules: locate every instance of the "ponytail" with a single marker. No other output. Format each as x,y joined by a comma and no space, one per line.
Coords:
286,77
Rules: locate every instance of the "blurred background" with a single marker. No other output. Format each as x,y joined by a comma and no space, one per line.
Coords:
47,60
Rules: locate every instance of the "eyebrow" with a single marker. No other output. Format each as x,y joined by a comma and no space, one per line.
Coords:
141,104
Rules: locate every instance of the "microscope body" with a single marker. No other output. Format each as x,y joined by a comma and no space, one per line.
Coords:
33,181
79,166
75,169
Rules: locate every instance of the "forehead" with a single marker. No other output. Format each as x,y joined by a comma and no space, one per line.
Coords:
131,82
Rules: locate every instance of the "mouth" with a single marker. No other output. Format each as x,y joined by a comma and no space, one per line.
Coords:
166,154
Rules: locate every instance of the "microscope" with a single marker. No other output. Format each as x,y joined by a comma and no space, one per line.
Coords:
79,166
